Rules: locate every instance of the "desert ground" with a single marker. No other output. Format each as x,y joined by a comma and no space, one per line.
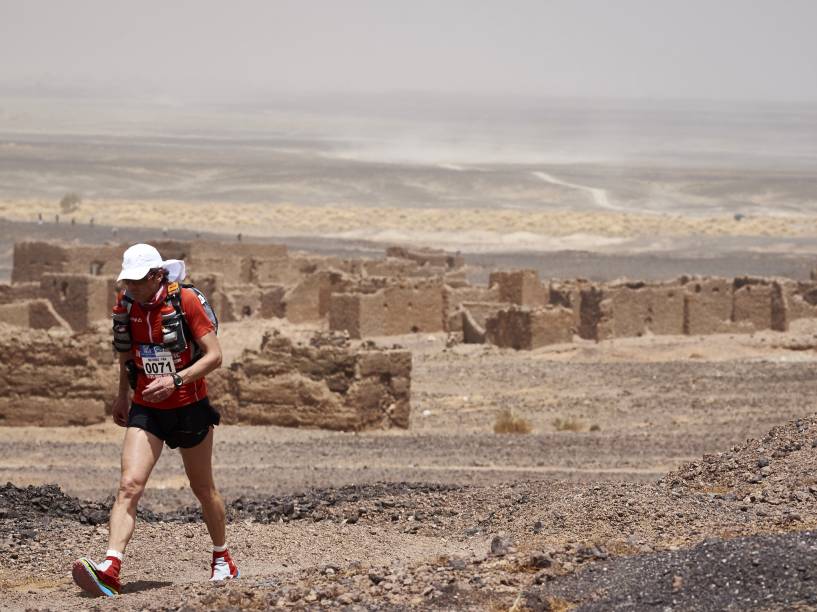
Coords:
652,473
658,472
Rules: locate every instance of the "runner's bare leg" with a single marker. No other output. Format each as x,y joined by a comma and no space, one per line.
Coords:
198,463
140,452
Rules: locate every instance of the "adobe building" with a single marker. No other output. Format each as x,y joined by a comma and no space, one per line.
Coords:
708,306
632,309
396,309
525,328
521,287
33,259
33,314
327,384
79,370
80,299
692,306
800,298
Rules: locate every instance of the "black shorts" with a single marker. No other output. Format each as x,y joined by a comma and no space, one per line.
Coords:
183,427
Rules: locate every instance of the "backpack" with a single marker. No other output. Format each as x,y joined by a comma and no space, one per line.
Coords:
174,294
175,329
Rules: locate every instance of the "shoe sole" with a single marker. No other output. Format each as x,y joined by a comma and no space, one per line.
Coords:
237,574
85,578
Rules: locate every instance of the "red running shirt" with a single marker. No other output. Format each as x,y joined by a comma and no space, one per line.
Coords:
146,329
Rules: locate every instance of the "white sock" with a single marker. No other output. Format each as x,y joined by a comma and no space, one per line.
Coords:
107,562
219,549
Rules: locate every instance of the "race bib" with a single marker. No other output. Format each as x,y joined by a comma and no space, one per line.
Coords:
156,360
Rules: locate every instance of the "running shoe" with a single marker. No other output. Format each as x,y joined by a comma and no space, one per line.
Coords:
223,567
91,580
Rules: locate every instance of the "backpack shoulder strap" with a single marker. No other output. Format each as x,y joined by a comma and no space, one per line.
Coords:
174,296
127,301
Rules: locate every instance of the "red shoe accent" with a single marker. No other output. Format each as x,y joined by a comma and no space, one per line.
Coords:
88,577
223,567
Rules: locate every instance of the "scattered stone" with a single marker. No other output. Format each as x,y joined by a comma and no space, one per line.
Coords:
501,546
541,560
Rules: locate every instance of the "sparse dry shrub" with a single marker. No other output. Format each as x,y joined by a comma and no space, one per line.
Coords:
508,422
568,424
70,202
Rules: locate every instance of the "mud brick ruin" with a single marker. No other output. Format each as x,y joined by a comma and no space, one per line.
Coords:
55,379
408,291
600,311
525,328
327,384
401,293
69,289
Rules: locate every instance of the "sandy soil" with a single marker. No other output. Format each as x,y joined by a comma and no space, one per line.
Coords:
460,227
494,519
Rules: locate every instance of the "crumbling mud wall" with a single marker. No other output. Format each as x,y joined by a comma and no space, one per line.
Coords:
414,290
53,379
310,299
19,292
521,287
760,302
693,306
33,259
80,299
402,308
237,262
800,299
568,294
471,319
455,299
633,309
327,385
414,308
33,314
361,315
708,304
244,280
530,328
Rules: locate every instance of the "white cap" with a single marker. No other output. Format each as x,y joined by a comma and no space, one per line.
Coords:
140,259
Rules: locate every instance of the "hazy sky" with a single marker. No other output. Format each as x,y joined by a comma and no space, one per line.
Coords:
705,49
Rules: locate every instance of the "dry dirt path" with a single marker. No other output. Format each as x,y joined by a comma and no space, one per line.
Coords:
560,502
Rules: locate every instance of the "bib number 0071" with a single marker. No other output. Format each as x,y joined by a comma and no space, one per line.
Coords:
157,368
156,361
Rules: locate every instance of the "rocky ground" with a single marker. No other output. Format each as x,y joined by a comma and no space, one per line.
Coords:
636,488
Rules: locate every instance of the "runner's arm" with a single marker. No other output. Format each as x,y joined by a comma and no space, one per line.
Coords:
121,404
209,361
124,384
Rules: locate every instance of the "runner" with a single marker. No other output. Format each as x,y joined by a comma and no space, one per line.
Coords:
165,353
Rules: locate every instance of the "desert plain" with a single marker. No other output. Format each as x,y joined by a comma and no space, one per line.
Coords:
645,473
658,472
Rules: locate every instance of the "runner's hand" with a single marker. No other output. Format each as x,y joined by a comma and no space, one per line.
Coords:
159,389
121,407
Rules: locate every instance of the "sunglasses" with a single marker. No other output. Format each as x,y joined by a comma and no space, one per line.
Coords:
136,283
